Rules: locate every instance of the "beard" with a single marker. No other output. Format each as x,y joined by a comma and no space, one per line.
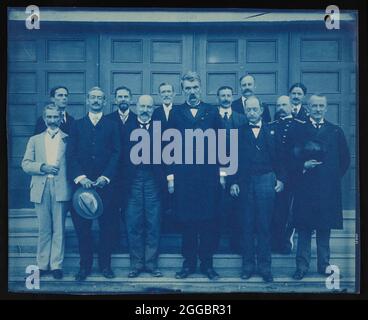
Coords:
123,106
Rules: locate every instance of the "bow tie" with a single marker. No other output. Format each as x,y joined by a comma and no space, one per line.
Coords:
193,107
144,125
254,126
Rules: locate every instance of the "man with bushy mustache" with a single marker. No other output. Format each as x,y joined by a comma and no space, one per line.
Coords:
195,186
287,130
248,88
92,157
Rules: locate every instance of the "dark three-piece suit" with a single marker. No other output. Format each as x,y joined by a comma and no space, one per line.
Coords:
94,151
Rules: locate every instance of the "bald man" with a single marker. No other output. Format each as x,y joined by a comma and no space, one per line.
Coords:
143,211
287,129
260,176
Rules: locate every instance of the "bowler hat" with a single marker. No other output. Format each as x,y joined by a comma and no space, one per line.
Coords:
314,149
87,203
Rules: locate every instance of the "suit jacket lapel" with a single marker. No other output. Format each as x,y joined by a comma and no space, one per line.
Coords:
62,145
41,142
200,111
250,134
323,129
188,113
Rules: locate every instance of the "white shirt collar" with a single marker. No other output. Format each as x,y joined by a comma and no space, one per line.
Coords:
259,123
314,122
141,122
125,113
169,107
95,117
223,110
198,103
298,107
52,132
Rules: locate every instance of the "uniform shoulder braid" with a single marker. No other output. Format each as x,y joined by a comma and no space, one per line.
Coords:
300,121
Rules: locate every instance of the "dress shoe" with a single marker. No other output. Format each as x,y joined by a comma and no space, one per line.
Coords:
323,271
299,274
246,274
211,274
134,273
82,274
155,273
43,272
267,277
108,273
183,273
57,274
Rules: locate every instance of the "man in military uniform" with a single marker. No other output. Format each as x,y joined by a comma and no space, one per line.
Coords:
287,130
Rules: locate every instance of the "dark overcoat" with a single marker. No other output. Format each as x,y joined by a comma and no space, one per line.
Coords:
196,185
317,202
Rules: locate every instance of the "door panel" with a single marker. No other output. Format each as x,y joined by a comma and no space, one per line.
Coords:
141,57
38,62
325,63
142,60
224,55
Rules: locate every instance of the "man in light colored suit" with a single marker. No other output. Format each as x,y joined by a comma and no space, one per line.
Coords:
44,159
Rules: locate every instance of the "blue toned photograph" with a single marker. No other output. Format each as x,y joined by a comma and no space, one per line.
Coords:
159,150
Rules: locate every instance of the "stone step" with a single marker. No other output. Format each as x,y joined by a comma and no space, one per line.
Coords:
25,220
170,243
196,283
227,263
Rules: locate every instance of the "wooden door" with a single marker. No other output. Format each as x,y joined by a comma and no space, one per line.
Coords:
224,54
325,62
38,61
143,57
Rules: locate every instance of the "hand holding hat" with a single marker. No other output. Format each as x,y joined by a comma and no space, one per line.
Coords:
86,183
87,203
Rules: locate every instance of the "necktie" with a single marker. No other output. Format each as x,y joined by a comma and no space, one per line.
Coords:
94,119
123,117
52,133
295,110
254,126
318,125
226,116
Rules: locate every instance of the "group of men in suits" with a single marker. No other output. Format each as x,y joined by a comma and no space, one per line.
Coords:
278,162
